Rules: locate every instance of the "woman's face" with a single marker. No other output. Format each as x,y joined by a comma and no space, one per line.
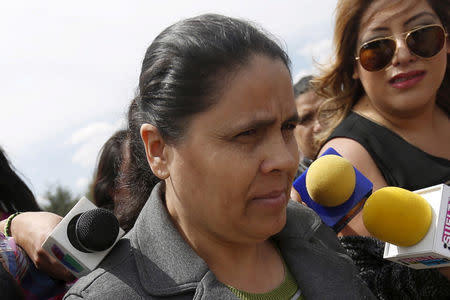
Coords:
409,83
231,174
307,107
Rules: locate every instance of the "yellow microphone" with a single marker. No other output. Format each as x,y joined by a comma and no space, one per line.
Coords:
414,225
333,188
397,216
330,180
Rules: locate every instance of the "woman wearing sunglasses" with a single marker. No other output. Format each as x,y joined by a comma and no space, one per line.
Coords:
387,111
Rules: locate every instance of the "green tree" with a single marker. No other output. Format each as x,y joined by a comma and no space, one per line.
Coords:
89,192
61,200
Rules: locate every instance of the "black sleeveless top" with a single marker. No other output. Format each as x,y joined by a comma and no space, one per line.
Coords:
401,164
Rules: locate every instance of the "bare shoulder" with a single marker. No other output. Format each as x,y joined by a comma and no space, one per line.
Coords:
359,157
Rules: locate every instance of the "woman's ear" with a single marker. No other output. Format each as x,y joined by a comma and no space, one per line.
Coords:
355,72
154,149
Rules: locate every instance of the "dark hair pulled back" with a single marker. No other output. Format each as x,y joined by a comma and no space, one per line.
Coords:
184,71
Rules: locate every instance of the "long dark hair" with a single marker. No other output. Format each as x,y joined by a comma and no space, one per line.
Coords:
14,193
184,72
108,168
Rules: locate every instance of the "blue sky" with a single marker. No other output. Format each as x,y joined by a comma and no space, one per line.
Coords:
69,69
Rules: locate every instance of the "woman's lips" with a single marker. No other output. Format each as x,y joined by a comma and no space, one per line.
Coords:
407,80
272,199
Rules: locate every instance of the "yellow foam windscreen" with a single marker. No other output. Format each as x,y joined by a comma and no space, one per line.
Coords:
397,216
330,180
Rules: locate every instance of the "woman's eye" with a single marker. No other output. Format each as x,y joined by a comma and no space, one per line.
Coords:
290,126
249,132
305,119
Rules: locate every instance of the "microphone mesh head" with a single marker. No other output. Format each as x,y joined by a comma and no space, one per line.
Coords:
330,180
97,229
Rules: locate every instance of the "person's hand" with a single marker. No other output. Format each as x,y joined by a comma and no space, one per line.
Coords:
30,229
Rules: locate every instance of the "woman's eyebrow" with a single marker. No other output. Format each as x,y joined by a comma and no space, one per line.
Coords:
294,118
261,123
419,15
257,123
406,23
378,29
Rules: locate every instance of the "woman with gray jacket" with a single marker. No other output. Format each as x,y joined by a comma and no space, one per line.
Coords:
212,127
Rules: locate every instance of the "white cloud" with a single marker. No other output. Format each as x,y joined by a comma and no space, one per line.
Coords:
66,63
90,132
89,140
302,73
313,55
69,65
318,51
82,183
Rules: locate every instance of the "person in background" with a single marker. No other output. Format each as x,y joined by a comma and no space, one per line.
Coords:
15,196
32,226
110,186
107,172
388,107
307,102
212,126
26,226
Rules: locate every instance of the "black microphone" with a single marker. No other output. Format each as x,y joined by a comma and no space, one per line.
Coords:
83,237
94,230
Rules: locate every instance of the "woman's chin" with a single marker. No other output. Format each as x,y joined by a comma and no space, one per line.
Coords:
270,226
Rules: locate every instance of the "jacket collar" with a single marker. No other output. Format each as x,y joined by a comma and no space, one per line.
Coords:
167,265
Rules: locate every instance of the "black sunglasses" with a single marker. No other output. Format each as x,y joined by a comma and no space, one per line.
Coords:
425,42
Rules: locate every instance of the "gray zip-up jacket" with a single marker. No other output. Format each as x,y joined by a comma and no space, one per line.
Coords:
154,262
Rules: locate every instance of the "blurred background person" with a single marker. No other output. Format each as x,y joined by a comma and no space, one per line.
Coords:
111,184
27,227
15,196
30,229
388,107
307,102
108,170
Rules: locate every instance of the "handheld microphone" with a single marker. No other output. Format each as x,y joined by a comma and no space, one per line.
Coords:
93,230
397,216
414,225
334,189
83,237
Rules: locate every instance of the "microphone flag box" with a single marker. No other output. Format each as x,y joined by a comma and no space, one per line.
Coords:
433,251
337,217
58,244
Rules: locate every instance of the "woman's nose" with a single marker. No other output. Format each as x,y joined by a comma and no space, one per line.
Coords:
403,54
280,155
317,127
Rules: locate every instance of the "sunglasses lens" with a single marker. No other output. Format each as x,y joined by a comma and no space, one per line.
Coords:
376,55
426,42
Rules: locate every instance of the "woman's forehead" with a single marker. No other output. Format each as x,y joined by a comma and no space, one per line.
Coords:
261,77
381,12
260,90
